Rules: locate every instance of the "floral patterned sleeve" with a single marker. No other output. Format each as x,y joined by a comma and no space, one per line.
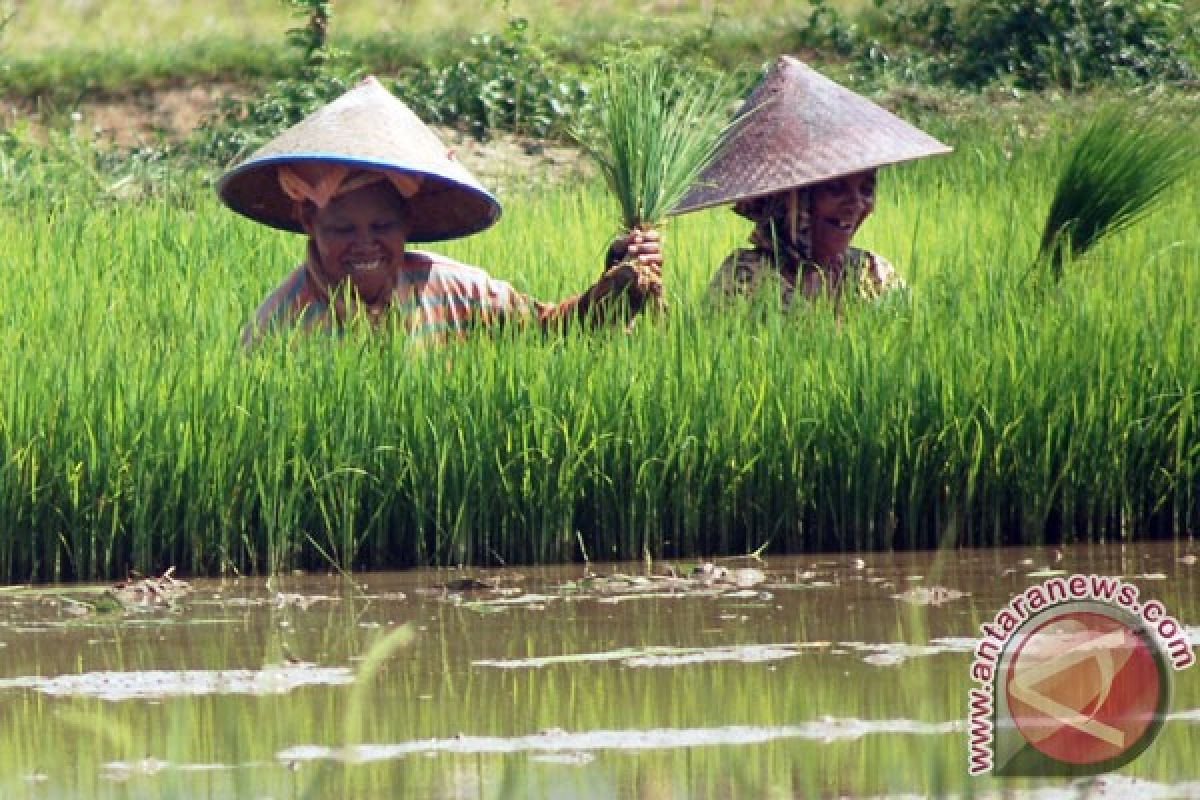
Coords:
740,275
878,278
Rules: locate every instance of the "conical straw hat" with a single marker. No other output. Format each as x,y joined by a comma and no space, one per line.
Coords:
799,128
365,128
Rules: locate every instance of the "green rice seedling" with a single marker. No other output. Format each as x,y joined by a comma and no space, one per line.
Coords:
657,129
1115,171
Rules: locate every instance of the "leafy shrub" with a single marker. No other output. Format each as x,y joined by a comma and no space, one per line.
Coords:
825,27
241,126
507,81
1040,43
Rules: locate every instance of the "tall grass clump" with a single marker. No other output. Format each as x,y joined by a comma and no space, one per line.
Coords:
656,129
1115,171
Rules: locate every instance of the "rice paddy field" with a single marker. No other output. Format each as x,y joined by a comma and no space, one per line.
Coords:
733,553
987,407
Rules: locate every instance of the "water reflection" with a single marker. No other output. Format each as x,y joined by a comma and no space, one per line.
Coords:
840,675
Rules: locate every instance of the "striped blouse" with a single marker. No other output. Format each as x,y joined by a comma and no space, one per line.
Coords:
435,298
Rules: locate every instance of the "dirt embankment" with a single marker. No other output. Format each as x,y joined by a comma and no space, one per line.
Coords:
172,114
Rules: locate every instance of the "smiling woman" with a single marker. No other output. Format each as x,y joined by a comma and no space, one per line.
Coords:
359,238
363,177
801,164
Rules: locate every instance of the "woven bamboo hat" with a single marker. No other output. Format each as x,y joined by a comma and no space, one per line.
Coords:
799,128
367,128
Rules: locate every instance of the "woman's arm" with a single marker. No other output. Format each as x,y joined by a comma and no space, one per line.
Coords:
632,281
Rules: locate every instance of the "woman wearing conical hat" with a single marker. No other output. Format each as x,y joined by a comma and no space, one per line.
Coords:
801,163
363,177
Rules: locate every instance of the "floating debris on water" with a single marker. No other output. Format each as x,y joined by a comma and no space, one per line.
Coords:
1045,572
578,759
300,601
889,654
748,654
533,602
157,684
742,577
828,729
663,656
1106,785
147,592
929,595
884,659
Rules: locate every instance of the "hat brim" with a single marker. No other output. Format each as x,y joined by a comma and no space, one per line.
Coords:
797,129
699,200
441,209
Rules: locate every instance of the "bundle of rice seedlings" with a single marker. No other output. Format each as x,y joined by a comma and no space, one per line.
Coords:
657,128
1115,171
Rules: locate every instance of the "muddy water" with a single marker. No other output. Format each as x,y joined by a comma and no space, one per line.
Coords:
810,676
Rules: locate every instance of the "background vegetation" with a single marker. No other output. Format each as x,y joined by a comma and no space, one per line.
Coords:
527,64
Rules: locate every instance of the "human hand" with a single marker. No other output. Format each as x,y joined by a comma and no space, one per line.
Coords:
634,268
642,245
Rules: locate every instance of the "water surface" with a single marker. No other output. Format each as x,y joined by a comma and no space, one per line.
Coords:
833,675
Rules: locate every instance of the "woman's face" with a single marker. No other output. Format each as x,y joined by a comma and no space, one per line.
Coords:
839,207
361,236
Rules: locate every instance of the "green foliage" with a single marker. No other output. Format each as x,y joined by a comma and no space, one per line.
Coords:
6,16
505,81
1035,43
1115,172
826,27
241,126
311,39
657,128
81,174
1032,44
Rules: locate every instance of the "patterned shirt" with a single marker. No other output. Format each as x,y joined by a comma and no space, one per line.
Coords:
746,271
435,298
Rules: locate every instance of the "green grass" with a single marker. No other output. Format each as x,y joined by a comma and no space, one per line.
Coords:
60,51
102,24
135,432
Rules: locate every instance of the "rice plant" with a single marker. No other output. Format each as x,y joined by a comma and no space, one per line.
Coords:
978,415
657,129
1115,172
